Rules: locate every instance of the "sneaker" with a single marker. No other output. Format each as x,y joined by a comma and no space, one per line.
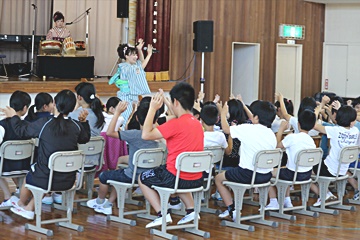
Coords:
175,207
188,218
8,203
288,205
158,221
24,213
216,196
329,198
356,196
224,214
93,204
137,193
57,198
47,200
272,206
106,211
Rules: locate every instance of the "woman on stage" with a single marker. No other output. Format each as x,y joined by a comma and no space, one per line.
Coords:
130,77
59,32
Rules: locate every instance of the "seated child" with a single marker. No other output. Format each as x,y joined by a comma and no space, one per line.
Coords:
293,143
341,135
114,147
133,137
20,102
254,138
182,134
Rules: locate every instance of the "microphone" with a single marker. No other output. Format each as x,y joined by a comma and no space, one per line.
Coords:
34,6
88,10
153,50
69,23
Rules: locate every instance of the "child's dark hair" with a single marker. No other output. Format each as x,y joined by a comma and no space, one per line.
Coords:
125,49
236,111
355,102
87,92
288,105
65,102
19,99
307,103
345,116
209,114
41,99
112,102
143,109
184,93
307,120
265,111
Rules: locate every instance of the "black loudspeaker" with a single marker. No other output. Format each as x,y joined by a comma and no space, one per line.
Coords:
122,8
203,39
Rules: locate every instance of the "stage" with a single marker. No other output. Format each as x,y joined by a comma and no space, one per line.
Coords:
54,85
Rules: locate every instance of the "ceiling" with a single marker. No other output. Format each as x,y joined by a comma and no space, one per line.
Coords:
333,1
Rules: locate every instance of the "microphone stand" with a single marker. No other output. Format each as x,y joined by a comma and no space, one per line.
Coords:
32,46
87,27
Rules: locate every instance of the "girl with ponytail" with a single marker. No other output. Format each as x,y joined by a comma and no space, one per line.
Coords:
44,105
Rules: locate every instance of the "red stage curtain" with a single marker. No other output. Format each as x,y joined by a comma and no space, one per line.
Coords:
144,29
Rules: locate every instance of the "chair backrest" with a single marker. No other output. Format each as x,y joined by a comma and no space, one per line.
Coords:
218,154
16,150
348,155
66,161
308,158
95,147
147,158
267,159
193,162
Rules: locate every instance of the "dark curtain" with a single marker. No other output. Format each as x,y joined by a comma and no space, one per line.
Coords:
145,26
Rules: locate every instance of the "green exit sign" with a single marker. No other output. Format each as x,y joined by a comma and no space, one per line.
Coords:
288,31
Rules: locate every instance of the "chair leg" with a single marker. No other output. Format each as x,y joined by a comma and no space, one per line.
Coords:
281,192
323,187
341,185
121,192
69,198
37,202
350,200
260,219
197,208
305,192
164,199
238,200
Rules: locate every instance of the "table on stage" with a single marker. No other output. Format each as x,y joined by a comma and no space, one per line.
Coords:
65,67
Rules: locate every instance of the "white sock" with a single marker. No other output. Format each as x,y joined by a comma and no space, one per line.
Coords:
100,201
287,200
274,201
329,194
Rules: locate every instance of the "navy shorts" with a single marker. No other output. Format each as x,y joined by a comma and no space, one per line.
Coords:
242,175
161,177
115,175
324,171
288,175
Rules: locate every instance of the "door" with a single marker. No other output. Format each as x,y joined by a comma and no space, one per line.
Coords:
288,72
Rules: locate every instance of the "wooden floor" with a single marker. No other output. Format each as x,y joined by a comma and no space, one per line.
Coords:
344,226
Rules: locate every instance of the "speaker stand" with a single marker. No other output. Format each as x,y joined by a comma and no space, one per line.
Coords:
202,79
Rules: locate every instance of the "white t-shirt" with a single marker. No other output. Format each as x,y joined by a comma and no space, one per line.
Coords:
2,133
253,138
108,118
215,138
339,137
293,144
276,124
294,123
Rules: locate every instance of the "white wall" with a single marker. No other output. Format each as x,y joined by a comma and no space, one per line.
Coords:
342,23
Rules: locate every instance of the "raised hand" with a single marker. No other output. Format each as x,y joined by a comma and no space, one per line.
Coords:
82,116
8,111
121,107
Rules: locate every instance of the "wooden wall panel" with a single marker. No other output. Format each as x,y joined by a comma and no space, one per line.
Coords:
254,21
